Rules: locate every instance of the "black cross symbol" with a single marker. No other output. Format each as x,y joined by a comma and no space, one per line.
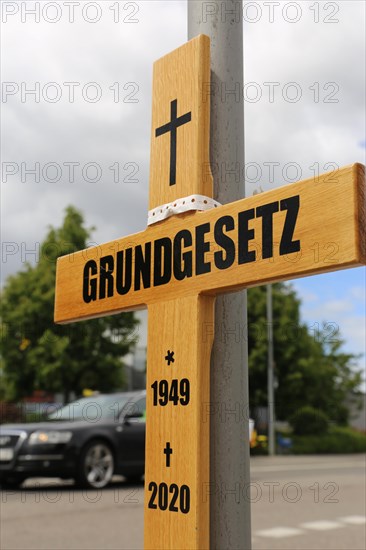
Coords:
168,451
169,357
171,127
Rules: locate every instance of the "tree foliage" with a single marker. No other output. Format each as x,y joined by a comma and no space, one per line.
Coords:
310,367
36,353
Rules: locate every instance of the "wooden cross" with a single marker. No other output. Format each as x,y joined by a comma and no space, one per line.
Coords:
177,266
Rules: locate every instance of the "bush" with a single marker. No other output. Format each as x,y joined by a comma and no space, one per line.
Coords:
338,440
309,421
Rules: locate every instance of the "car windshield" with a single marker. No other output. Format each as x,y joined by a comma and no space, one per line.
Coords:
92,409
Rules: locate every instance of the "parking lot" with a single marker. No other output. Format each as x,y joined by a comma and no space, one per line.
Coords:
297,503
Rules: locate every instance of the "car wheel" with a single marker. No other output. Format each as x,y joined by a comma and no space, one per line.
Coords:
96,465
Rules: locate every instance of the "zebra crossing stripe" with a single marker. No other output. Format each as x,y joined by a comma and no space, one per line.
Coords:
322,525
354,520
279,532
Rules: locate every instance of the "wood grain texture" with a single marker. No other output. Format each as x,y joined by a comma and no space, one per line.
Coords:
181,324
330,227
185,326
360,207
182,75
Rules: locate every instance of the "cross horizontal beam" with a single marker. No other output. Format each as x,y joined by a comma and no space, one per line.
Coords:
293,231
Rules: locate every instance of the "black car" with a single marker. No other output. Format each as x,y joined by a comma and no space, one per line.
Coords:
88,440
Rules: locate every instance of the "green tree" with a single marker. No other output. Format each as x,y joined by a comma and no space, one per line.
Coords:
36,353
310,367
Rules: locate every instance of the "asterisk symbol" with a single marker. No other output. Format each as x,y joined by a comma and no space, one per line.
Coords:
169,357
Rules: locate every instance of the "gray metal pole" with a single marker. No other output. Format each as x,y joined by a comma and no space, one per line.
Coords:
230,477
270,380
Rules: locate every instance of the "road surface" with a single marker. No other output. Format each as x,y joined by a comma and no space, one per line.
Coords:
297,503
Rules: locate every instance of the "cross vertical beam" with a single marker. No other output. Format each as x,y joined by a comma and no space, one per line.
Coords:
179,329
177,486
180,77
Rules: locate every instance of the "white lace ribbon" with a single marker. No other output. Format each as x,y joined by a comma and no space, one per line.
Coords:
193,202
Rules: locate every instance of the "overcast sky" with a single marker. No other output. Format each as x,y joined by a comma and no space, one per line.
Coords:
86,129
